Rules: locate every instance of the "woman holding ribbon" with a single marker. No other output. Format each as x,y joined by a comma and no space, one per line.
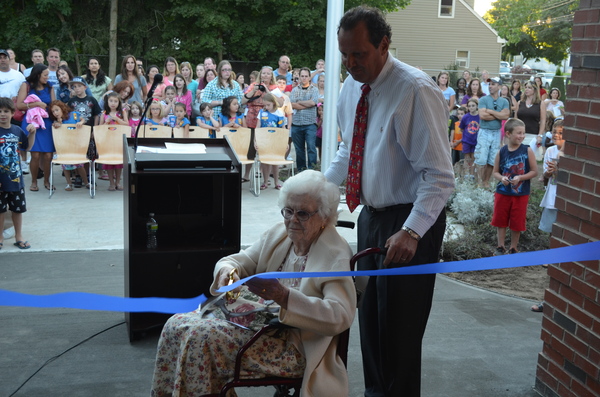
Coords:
196,354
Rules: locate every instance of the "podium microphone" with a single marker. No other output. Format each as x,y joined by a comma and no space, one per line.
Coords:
158,78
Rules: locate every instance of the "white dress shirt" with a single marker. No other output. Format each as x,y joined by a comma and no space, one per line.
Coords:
406,157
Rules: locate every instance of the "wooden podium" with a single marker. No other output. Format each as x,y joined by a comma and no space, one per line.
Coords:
198,212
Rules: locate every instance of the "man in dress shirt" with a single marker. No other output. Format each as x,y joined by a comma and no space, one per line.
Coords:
406,180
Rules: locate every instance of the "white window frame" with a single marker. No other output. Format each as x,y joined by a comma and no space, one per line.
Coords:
440,15
463,62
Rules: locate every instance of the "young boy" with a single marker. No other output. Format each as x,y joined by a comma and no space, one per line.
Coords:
12,192
470,127
514,166
86,105
456,134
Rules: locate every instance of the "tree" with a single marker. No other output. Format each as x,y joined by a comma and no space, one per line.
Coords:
534,28
239,30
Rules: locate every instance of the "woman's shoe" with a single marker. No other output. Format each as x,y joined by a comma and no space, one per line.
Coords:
68,188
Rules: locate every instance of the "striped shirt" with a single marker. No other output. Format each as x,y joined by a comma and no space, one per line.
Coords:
305,116
406,158
214,91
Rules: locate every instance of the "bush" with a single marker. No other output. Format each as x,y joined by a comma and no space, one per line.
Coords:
470,204
478,240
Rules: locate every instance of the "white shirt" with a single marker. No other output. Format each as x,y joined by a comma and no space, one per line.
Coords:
10,82
406,158
485,87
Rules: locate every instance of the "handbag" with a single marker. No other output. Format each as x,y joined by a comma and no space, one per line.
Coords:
19,114
248,310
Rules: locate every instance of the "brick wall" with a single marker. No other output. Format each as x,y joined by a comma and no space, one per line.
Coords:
569,364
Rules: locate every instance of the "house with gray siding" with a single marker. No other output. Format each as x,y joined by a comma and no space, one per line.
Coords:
433,34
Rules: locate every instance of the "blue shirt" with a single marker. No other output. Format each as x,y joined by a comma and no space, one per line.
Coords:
488,102
12,140
513,163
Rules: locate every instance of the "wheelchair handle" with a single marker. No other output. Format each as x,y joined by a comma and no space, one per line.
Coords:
366,252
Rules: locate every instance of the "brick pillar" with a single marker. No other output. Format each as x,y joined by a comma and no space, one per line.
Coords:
569,364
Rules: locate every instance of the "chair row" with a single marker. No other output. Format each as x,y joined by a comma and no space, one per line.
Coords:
72,144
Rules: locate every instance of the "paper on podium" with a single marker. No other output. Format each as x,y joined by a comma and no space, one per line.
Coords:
173,148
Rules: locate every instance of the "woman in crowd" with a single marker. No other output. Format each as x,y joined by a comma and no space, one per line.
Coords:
531,111
188,74
443,81
130,73
515,90
473,91
200,76
460,90
197,354
321,87
19,67
125,90
209,75
158,91
43,148
62,91
170,71
467,76
505,93
221,87
98,82
538,82
253,96
241,81
554,104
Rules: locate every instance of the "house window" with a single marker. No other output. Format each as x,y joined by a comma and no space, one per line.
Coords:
446,9
462,58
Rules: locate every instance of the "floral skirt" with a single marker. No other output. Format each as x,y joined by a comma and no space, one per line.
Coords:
196,356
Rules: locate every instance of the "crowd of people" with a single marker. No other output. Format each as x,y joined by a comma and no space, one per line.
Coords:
392,164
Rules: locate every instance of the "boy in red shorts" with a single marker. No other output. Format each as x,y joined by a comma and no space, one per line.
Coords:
515,165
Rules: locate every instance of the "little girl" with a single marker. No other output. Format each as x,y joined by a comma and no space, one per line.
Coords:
469,125
113,114
270,116
169,105
62,114
206,120
156,114
230,116
319,139
135,113
181,120
183,95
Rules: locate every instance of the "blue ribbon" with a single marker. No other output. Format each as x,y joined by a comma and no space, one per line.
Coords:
87,301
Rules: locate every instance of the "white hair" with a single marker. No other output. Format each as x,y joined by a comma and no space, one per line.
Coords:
315,185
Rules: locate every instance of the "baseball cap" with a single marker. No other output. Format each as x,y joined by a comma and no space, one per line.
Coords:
4,52
79,80
496,80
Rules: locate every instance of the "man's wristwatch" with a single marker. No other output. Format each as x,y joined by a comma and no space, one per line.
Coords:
411,233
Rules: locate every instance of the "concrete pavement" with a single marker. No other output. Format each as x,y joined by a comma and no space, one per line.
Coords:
478,343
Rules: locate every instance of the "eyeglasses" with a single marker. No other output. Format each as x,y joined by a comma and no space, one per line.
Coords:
495,106
301,215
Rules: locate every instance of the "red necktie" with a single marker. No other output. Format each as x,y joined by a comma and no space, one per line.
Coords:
358,147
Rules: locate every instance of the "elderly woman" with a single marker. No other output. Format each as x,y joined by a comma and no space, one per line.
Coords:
196,354
221,87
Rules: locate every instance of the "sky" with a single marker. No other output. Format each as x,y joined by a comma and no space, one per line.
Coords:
481,6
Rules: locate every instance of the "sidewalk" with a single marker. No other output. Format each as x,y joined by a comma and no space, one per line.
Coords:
478,343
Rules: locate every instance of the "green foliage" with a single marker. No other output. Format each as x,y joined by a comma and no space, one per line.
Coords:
534,28
256,31
559,82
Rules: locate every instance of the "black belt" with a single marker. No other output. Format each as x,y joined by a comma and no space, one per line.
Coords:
390,208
